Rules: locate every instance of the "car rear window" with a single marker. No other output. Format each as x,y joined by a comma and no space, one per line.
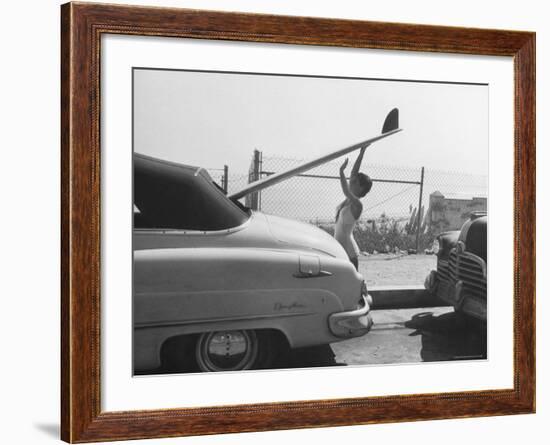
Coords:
174,196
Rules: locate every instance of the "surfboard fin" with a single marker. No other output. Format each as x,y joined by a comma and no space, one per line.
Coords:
392,121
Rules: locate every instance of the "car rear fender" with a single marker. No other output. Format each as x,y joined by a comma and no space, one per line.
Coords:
186,291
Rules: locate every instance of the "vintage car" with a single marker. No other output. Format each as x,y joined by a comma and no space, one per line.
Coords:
461,276
218,287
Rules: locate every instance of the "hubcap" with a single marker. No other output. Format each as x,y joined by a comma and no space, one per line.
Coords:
226,350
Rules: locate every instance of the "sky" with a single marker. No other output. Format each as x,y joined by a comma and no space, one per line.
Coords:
215,119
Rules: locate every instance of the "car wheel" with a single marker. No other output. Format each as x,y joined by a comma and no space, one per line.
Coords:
227,350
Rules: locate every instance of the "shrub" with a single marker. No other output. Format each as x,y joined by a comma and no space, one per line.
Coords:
385,235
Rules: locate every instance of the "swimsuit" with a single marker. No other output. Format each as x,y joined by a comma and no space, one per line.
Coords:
343,231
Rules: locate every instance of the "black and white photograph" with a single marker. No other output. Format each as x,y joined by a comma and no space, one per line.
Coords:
286,221
234,222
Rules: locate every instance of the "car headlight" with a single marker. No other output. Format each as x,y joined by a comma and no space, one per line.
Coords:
435,246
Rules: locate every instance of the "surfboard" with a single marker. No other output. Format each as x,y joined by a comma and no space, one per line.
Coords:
390,127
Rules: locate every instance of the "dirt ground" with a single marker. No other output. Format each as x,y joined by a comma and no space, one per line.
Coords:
390,269
402,336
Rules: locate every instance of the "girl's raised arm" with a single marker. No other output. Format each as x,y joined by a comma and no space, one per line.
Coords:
358,161
355,202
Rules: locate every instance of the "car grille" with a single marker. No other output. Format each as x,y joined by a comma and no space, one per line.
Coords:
443,270
471,270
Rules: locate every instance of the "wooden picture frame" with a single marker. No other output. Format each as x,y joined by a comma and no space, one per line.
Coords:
82,26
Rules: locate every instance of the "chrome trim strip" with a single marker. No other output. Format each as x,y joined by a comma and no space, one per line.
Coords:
175,232
217,320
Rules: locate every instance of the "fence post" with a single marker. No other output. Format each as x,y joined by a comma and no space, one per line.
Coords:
419,222
254,176
260,171
225,177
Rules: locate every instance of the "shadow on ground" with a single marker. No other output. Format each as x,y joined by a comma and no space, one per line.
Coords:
449,336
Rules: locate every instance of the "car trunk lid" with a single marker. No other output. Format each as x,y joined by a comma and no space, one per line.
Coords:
303,235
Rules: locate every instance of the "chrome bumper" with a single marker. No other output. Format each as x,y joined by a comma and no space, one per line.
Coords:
453,294
352,323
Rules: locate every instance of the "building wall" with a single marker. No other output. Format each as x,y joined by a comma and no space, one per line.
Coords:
450,213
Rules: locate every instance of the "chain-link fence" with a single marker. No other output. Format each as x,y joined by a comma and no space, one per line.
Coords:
228,180
404,210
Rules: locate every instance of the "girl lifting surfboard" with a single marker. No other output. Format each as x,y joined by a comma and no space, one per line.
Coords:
349,211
